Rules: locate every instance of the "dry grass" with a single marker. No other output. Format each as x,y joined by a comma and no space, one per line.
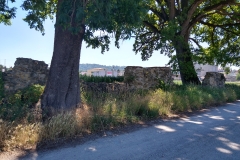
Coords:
22,135
28,135
110,110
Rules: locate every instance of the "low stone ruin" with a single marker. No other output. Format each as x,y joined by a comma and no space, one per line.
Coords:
103,87
25,72
214,79
134,78
147,78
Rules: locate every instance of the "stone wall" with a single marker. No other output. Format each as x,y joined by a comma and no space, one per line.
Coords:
134,78
230,78
24,73
103,87
27,72
147,78
214,79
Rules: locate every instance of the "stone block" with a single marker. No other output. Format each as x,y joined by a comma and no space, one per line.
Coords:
214,79
24,73
146,78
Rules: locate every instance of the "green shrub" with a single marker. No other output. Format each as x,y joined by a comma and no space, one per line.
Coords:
17,106
101,79
1,87
227,70
238,77
105,111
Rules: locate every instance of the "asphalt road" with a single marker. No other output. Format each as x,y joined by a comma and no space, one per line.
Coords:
211,135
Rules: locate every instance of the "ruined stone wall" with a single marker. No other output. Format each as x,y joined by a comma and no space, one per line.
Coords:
214,79
24,73
147,78
103,87
27,72
134,78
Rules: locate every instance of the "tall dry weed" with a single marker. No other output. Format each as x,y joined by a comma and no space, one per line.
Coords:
21,136
4,129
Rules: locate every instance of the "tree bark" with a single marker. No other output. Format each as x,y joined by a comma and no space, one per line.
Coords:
62,91
185,63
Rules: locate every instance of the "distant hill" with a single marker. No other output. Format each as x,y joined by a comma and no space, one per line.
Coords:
87,66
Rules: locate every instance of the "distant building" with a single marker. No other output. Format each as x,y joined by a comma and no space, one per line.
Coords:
83,73
101,72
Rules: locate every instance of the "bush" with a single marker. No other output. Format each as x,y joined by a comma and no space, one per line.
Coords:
238,77
1,87
101,79
105,112
227,70
17,106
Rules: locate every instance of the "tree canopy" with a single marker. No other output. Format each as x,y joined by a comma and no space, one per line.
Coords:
227,70
77,21
6,13
185,26
177,28
113,18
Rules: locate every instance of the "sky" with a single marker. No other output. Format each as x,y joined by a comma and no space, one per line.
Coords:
18,40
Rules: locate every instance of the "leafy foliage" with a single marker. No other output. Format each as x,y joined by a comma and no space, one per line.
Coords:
114,18
170,25
111,110
7,13
227,70
238,77
101,79
17,106
1,87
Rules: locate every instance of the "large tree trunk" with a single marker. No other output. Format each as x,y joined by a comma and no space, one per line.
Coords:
62,91
185,63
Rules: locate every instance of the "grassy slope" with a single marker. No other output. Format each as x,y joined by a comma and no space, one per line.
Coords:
102,111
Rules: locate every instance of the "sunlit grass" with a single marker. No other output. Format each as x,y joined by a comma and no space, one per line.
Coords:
103,111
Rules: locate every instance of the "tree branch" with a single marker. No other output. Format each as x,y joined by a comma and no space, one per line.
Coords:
205,13
144,34
164,13
220,5
190,12
178,5
172,9
159,14
221,26
158,1
150,26
196,42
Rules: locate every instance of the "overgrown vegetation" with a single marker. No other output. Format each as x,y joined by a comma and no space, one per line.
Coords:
101,112
101,79
1,86
227,70
17,106
238,77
